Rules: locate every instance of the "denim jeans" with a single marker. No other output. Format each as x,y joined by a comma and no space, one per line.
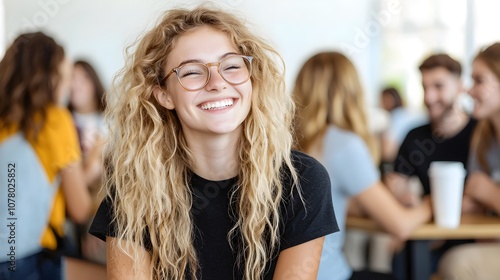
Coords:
34,267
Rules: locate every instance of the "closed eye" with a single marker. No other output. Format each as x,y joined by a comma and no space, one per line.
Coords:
191,73
232,67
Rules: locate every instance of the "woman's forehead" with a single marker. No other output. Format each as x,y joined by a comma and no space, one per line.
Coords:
204,44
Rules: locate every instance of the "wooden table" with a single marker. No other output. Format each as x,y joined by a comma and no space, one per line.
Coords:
417,247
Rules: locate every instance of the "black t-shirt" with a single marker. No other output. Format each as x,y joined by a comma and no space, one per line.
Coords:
421,147
210,211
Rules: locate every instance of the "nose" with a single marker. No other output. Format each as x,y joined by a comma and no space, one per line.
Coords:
472,91
215,81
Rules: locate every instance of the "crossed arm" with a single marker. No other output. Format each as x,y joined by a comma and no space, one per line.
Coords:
298,262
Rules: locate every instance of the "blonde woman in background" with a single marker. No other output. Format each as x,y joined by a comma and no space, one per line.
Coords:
201,179
331,126
482,190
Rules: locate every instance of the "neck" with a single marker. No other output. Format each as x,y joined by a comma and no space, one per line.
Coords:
450,124
215,158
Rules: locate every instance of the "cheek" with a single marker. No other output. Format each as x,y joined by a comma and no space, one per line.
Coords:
246,90
496,101
488,94
87,87
249,97
179,100
477,92
81,95
176,96
447,96
488,102
494,91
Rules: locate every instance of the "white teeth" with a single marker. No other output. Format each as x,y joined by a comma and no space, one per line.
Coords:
217,105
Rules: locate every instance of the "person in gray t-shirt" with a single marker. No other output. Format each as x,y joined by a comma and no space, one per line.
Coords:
331,125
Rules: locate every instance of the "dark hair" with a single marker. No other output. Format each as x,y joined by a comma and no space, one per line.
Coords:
29,77
394,93
441,60
96,82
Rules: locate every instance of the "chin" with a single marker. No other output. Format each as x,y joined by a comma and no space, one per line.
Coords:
226,129
435,116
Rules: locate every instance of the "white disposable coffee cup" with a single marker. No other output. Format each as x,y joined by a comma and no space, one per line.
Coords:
447,186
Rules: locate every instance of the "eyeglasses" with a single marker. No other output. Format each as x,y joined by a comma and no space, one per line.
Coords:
234,69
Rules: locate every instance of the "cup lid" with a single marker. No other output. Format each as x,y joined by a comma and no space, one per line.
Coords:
446,167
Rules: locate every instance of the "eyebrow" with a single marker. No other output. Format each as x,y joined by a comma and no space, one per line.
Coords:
201,61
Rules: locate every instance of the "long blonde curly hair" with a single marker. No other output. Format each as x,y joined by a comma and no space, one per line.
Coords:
328,92
148,162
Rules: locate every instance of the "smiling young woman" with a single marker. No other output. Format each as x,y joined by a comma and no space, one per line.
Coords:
201,179
482,191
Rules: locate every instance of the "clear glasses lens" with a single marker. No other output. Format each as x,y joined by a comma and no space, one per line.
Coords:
233,69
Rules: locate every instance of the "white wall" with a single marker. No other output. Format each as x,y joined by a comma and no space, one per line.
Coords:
2,29
99,30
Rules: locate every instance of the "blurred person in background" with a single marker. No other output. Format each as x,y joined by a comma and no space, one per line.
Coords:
445,138
402,120
39,144
482,187
390,99
87,105
331,125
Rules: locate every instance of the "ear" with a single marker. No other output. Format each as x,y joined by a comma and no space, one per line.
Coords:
163,97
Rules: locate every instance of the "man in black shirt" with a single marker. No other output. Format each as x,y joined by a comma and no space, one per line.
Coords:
445,138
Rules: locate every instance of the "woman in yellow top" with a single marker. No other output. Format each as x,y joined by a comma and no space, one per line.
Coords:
38,153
